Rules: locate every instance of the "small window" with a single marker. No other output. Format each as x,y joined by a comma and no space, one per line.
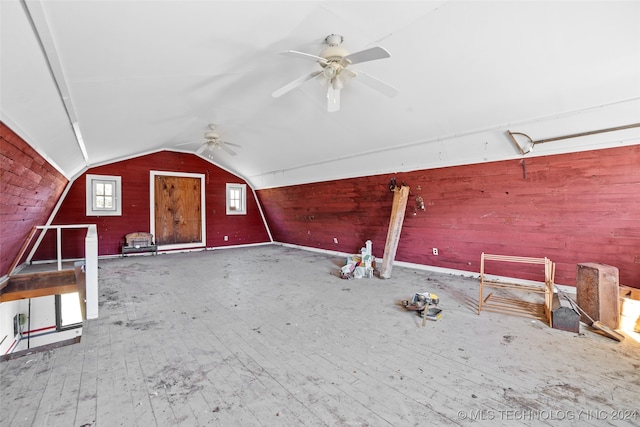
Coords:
236,199
68,311
103,195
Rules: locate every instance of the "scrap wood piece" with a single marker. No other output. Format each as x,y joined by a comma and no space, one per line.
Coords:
400,197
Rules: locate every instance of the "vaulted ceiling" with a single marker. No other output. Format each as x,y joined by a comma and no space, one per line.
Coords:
91,82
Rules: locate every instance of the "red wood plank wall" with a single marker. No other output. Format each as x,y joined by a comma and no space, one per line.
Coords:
135,174
571,208
29,190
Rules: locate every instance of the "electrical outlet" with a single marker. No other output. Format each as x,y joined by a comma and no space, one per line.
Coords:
335,240
435,251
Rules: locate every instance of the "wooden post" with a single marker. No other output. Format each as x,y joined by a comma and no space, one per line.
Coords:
400,197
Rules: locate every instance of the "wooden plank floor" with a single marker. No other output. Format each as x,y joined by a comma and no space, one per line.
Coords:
271,336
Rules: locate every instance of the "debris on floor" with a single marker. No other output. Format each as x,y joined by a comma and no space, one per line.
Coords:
426,304
359,266
595,324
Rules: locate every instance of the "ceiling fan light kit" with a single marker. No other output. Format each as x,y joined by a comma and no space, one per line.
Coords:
334,60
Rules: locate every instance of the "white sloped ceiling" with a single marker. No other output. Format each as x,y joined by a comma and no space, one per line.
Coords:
141,76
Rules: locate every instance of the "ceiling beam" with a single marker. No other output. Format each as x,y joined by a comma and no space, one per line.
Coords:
41,30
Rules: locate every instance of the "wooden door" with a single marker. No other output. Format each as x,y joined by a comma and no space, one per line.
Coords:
177,210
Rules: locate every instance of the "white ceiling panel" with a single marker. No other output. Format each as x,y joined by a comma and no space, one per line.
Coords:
149,75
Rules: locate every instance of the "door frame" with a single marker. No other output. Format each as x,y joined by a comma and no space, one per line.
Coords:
152,213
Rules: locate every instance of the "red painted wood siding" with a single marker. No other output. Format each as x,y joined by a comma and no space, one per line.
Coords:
571,208
29,190
135,174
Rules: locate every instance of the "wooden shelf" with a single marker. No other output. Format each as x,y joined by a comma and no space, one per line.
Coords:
504,299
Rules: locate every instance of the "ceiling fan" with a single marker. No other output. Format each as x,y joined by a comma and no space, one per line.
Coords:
334,61
213,142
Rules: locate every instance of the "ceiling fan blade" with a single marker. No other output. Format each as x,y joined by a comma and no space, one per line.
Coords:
347,74
374,83
228,150
294,84
333,99
370,54
232,143
304,55
188,143
202,148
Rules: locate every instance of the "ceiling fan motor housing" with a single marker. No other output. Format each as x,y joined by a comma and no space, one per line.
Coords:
334,53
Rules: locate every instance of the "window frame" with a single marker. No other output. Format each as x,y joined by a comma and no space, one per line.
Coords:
230,187
91,181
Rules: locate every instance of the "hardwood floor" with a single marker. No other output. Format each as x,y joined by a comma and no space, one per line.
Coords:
271,336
